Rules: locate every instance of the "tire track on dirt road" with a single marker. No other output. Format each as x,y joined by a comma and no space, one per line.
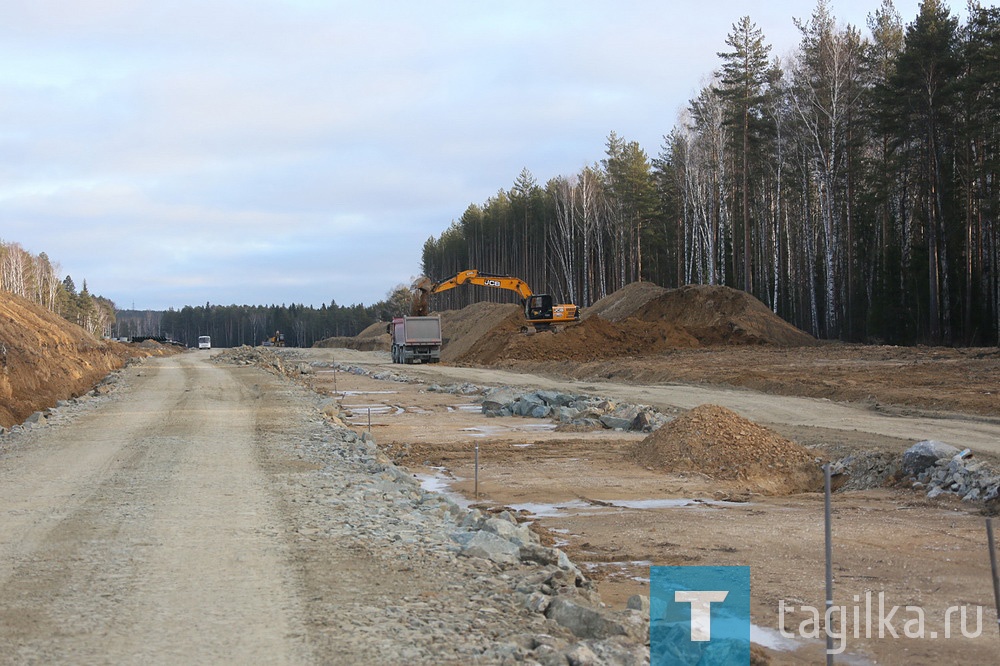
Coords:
144,532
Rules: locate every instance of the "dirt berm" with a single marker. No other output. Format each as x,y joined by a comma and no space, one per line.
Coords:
44,358
637,320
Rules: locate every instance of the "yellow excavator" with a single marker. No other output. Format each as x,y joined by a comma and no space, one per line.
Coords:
538,308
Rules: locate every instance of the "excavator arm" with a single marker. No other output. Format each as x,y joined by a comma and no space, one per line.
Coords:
484,280
538,308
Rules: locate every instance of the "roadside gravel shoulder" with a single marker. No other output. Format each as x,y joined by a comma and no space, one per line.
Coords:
391,573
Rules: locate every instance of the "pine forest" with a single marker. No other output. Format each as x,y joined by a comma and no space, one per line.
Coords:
851,186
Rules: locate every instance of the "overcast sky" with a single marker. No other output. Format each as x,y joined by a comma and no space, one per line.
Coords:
279,151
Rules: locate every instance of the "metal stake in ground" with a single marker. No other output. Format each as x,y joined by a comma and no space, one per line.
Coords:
829,564
993,567
477,471
369,420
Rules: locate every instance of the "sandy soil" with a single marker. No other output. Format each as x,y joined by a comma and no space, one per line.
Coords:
144,532
44,358
616,518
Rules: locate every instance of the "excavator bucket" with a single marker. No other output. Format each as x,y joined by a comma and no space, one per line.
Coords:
419,301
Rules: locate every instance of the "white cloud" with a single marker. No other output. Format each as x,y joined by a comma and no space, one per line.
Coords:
302,150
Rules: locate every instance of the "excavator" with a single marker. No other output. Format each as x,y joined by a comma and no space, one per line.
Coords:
538,308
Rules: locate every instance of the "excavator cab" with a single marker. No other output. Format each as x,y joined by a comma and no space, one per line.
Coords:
538,307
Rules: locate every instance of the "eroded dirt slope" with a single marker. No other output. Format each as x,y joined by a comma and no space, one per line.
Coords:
44,358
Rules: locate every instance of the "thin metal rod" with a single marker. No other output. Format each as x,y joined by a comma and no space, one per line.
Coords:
369,420
993,566
477,471
829,563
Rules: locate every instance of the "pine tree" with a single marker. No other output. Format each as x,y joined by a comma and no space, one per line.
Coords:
924,92
745,77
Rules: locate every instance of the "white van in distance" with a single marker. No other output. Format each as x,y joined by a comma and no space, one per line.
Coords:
204,342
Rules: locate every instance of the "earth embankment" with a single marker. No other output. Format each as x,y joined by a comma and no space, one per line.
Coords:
44,358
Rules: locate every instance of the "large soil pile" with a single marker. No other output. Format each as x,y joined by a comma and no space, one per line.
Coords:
712,314
373,338
638,320
44,358
723,445
626,302
475,329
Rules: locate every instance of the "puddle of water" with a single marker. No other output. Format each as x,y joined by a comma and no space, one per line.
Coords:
772,639
671,503
356,393
361,411
583,508
472,408
522,446
541,510
439,483
492,430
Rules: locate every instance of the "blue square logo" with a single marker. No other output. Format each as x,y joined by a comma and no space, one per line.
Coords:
699,616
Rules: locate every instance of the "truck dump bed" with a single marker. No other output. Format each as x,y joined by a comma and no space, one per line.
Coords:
416,339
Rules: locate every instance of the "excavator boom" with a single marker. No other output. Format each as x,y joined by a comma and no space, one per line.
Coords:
484,280
538,308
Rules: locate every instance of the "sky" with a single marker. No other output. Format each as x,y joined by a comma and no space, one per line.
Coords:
182,152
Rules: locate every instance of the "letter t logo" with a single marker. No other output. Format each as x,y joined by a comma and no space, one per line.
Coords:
701,610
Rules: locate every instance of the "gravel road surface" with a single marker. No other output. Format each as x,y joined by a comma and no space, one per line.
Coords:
206,513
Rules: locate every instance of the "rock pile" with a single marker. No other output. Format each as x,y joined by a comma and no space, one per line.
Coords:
578,410
942,469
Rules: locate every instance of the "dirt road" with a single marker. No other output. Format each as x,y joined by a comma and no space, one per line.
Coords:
145,531
204,513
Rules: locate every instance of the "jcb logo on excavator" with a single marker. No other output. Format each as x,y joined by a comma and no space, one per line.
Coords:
492,283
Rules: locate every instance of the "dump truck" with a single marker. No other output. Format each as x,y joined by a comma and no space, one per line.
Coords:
415,339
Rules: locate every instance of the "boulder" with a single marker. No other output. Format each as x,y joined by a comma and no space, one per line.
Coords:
615,423
489,546
519,535
584,622
923,455
498,398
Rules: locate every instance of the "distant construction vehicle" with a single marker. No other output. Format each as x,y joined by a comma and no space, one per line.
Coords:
539,311
276,340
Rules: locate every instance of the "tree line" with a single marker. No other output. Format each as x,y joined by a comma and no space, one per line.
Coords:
235,325
851,186
37,279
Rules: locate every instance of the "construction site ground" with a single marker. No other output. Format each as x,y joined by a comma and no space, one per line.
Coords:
615,517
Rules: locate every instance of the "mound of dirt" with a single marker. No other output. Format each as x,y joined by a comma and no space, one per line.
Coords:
626,302
373,338
44,358
723,445
592,339
473,331
721,315
638,320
